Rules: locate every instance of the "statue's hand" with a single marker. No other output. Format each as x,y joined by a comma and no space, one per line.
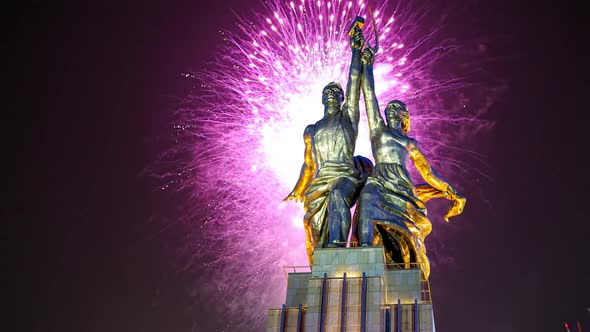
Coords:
450,193
293,197
357,39
368,56
457,208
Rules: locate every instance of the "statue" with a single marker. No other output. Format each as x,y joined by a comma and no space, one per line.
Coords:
392,213
328,183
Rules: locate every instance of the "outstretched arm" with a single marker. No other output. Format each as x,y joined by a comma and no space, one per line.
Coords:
353,93
430,176
307,169
376,124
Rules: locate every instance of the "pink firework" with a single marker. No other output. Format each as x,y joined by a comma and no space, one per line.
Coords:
239,146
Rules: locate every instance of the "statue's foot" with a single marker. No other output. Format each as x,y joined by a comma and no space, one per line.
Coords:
333,245
365,245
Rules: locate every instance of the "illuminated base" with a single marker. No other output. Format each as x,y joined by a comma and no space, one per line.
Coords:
350,289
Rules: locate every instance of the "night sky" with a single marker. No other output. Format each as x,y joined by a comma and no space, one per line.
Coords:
96,85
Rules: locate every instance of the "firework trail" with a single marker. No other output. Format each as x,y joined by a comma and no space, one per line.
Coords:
238,147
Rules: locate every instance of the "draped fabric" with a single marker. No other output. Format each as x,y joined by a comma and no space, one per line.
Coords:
331,174
391,202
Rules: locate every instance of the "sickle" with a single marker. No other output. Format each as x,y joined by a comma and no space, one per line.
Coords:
376,49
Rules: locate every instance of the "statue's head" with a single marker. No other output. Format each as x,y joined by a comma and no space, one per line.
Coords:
397,115
333,95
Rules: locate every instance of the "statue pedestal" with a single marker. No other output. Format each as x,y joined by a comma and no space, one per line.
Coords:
351,289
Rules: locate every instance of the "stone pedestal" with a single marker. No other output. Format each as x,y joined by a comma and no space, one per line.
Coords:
351,289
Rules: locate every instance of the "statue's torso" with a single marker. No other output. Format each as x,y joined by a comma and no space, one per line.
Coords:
391,151
334,139
390,147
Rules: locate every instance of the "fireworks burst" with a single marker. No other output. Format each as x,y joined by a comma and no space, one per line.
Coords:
239,146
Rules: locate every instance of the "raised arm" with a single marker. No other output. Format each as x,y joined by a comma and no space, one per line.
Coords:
430,176
353,92
307,169
376,124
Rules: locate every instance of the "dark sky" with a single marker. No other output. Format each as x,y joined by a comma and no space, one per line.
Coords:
92,82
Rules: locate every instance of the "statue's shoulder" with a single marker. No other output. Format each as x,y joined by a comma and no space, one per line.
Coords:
309,130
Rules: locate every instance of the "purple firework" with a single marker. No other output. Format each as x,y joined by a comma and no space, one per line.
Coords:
239,147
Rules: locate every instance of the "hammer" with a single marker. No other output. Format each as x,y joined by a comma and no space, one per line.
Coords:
358,22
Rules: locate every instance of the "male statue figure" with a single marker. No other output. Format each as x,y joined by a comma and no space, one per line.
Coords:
328,183
391,209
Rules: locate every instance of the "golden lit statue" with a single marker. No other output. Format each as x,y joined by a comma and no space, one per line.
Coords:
328,183
392,213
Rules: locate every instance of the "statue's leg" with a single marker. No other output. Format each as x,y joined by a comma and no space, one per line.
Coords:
366,231
340,200
309,246
366,228
315,222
